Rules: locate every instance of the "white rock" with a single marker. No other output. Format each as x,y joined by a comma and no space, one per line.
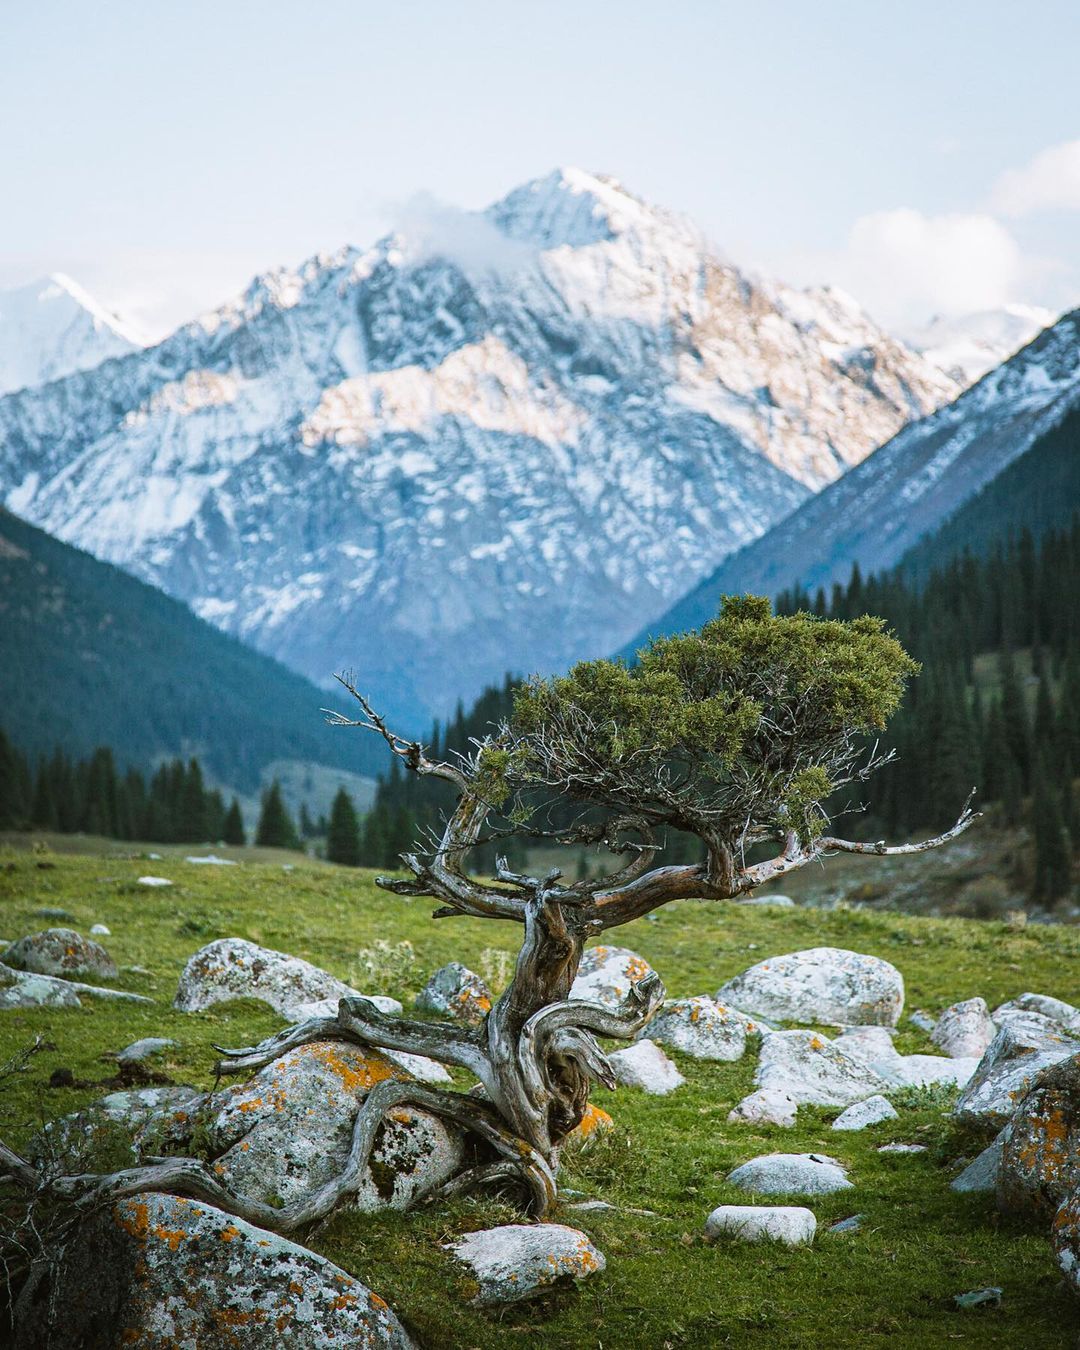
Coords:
765,1107
148,1048
821,984
235,968
154,881
421,1068
212,860
1016,1055
790,1224
21,989
861,1114
922,1020
517,1261
964,1029
179,1272
902,1148
981,1173
869,1045
645,1065
780,901
99,930
327,1007
790,1174
606,974
699,1027
1054,1008
457,992
925,1070
813,1070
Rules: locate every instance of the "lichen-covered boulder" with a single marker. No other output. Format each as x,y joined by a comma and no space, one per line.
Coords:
699,1027
120,1129
981,1173
594,1123
1005,1074
1065,1239
813,1070
790,1174
644,1065
235,968
860,1115
964,1029
926,1070
62,952
1055,1008
286,1131
765,1107
18,989
822,984
161,1271
1040,1153
457,992
518,1261
606,974
791,1225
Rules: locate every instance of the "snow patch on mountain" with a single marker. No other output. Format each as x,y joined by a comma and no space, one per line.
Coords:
968,346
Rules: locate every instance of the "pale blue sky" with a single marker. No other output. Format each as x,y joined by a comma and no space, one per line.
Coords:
163,152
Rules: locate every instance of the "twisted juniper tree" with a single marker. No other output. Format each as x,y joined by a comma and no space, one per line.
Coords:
737,734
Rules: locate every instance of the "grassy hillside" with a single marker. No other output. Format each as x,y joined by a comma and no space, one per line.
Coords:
663,1288
91,656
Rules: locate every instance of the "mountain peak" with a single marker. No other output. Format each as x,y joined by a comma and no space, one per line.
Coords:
571,207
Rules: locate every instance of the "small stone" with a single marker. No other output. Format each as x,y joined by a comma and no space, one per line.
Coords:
606,974
61,952
964,1029
457,992
791,1174
154,881
821,984
922,1020
518,1261
902,1148
159,1270
861,1114
52,912
765,1107
150,1047
780,901
698,1027
99,930
981,1173
212,860
153,857
813,1070
790,1224
851,1225
645,1065
977,1298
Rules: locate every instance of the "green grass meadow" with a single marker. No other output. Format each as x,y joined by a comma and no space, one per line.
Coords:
891,1283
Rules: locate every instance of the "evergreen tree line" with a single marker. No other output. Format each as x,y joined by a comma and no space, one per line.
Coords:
1009,722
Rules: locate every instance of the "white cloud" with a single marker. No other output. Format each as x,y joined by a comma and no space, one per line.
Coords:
1050,181
904,265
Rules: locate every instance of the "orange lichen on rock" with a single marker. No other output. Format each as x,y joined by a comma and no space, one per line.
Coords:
594,1121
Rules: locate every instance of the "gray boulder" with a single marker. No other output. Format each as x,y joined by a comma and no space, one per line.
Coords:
150,1047
788,1224
235,968
20,990
644,1065
455,991
159,1270
1013,1060
821,984
61,952
120,1129
1040,1146
1055,1008
982,1172
1065,1239
964,1029
606,974
813,1070
860,1115
765,1107
698,1027
518,1261
287,1131
791,1174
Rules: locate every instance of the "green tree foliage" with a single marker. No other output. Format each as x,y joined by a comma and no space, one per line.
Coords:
275,828
343,834
232,831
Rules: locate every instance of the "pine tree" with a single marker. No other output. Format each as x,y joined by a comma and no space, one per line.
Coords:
1053,872
275,828
307,825
192,823
232,831
343,834
13,803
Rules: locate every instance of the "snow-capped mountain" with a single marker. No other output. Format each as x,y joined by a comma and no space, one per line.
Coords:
493,441
968,346
51,328
903,491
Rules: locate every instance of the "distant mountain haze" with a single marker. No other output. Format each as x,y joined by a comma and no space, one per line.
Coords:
497,440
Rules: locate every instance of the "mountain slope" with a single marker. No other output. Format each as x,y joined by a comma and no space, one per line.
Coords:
915,482
969,346
493,441
91,656
51,328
